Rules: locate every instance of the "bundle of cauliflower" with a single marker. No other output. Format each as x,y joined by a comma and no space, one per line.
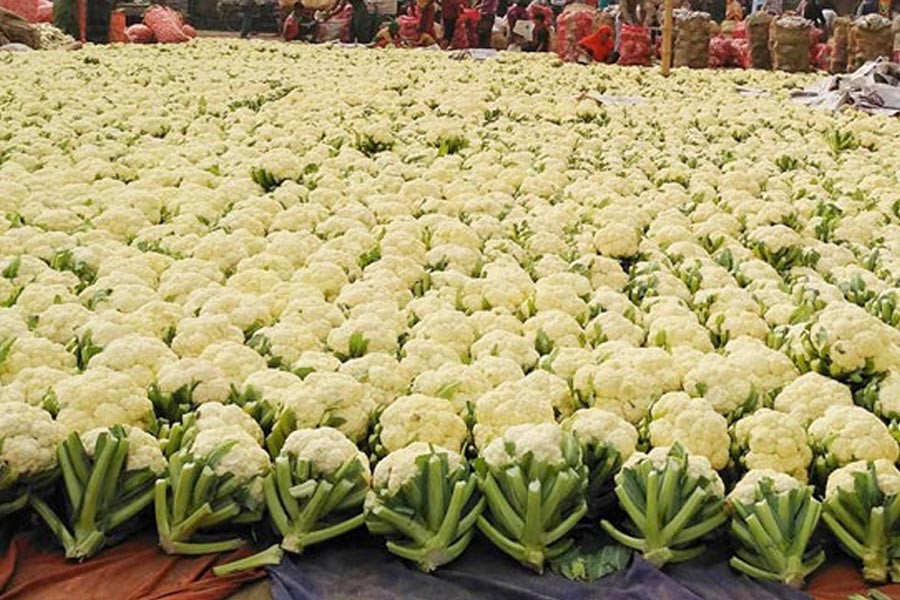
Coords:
423,313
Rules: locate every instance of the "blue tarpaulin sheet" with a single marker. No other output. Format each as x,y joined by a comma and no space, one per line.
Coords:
358,566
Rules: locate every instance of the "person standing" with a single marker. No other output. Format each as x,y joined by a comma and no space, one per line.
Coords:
426,18
449,15
247,7
812,11
487,9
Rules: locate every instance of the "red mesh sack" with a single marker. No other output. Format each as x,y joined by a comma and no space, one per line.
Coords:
739,31
815,36
27,9
741,49
189,31
165,24
634,46
139,34
720,52
820,56
572,27
545,10
45,12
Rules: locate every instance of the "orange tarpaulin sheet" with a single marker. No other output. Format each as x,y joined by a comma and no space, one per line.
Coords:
841,578
133,570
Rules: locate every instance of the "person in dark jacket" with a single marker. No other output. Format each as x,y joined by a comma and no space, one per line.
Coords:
247,7
812,11
540,40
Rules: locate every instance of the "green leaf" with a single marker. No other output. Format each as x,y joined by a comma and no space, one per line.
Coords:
578,565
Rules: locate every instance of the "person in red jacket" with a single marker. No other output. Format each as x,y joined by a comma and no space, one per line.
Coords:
599,45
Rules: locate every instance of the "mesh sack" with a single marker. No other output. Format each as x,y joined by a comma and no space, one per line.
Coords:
839,45
870,38
27,9
574,24
789,38
634,46
758,25
691,48
139,34
720,52
189,31
45,12
165,24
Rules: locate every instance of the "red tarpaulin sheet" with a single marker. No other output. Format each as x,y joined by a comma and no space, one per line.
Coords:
133,570
841,578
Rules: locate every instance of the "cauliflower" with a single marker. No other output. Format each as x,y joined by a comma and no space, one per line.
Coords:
101,397
28,440
245,460
849,341
887,477
420,418
143,449
553,387
768,370
770,440
697,466
330,398
745,490
692,422
215,415
722,382
506,405
401,466
386,379
325,448
141,358
810,395
595,427
849,433
506,345
543,441
197,380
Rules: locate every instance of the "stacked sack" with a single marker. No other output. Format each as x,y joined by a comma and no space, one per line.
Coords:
789,39
819,52
691,39
576,22
870,37
758,25
839,45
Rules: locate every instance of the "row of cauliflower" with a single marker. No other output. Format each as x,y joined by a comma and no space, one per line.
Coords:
470,265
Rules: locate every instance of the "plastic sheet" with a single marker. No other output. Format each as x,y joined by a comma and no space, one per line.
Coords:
359,567
133,570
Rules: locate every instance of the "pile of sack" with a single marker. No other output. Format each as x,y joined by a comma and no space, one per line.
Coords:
161,25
